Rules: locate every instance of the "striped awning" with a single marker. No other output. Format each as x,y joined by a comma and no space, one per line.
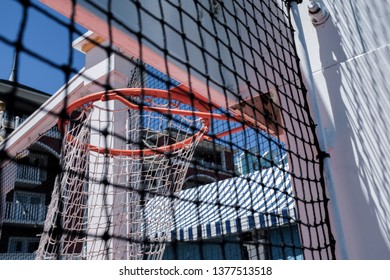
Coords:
259,200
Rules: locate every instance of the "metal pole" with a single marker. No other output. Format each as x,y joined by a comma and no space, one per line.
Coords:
313,102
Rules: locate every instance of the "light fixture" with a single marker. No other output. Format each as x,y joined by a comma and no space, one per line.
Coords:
318,13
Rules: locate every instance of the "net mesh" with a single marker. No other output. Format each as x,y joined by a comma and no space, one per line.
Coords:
117,195
253,188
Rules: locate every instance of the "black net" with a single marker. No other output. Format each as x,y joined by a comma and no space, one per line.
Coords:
251,187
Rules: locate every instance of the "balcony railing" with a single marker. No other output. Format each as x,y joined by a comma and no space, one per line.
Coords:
25,213
17,256
28,174
14,122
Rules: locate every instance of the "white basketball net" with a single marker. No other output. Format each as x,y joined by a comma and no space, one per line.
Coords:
102,205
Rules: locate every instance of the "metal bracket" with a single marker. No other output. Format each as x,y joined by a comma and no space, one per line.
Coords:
318,13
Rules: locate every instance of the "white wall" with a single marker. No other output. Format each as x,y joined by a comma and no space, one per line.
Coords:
350,58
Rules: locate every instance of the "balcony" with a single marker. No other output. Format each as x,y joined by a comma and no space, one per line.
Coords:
29,176
31,214
17,256
12,122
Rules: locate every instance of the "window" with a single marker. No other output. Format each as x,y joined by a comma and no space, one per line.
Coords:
254,246
29,198
28,207
23,244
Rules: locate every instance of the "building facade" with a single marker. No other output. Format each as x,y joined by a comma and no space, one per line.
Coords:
26,187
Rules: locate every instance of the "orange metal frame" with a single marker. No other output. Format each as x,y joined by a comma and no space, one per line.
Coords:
180,93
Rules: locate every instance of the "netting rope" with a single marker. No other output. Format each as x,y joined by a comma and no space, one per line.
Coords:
105,192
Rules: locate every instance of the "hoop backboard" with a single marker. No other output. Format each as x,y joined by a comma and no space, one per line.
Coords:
200,44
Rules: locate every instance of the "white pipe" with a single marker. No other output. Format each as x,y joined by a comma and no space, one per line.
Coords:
1,119
17,121
308,79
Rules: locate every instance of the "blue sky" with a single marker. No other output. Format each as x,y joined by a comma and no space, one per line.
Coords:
42,36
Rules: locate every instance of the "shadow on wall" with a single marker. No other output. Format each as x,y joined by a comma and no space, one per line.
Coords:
355,69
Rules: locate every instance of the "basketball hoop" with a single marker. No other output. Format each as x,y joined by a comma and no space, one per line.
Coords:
120,95
122,150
